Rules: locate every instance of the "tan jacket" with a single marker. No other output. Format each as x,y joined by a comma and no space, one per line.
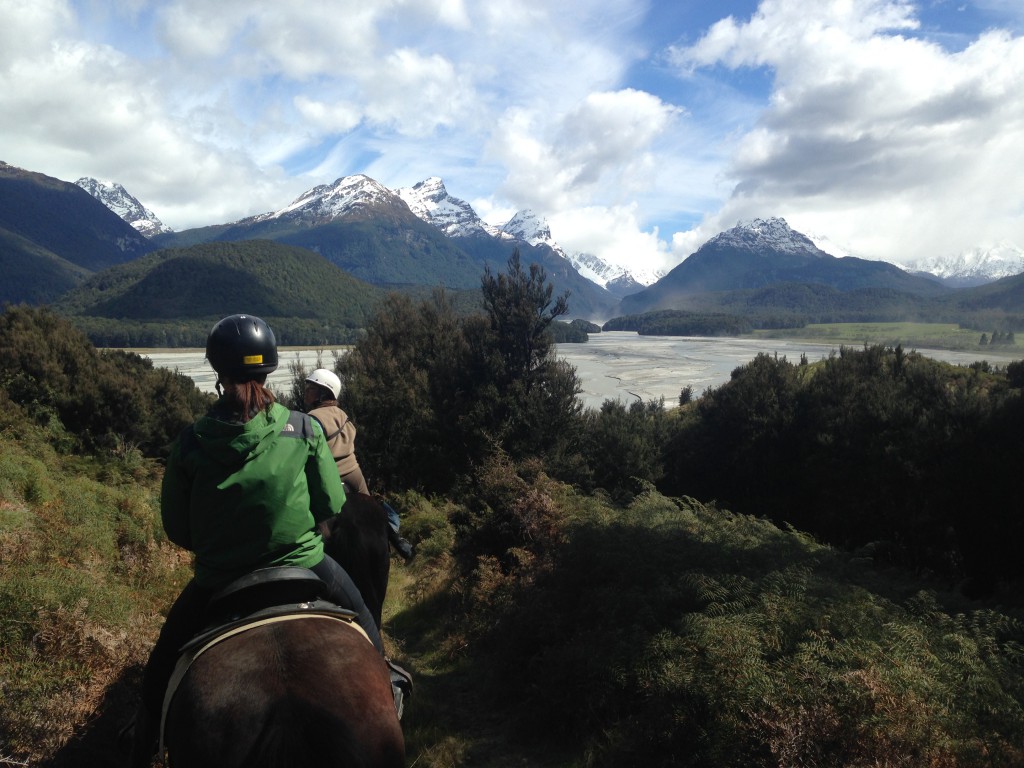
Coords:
341,436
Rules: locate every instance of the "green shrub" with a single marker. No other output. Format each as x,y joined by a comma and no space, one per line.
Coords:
109,402
673,633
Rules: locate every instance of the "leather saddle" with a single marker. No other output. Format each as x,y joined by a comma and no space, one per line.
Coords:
265,594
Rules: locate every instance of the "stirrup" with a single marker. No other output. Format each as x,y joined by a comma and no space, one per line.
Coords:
400,677
399,695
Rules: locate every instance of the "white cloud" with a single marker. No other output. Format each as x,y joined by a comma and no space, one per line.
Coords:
597,147
27,28
878,140
614,233
339,117
418,94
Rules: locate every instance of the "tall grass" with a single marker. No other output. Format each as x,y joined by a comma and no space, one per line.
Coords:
83,578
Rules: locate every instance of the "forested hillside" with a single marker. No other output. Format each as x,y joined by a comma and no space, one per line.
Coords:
173,297
53,234
614,571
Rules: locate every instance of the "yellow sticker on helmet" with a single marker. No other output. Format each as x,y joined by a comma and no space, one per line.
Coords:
252,360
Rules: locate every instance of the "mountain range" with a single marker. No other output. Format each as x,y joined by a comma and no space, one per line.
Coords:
53,234
973,267
415,238
430,201
761,253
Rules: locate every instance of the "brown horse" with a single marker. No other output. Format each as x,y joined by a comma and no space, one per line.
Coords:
310,691
306,691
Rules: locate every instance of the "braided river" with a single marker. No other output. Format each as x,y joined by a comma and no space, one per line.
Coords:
611,365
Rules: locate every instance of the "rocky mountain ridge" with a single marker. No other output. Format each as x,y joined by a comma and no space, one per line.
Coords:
771,235
430,202
125,205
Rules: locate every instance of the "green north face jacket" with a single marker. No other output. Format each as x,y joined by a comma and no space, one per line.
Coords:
247,496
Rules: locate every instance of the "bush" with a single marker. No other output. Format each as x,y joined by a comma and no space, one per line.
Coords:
878,447
673,633
110,401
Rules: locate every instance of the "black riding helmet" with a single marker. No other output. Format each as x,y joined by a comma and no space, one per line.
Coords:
242,347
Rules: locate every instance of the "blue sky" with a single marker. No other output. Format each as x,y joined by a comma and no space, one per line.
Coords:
638,129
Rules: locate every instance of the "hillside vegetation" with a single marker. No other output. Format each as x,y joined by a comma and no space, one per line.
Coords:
173,297
53,235
578,598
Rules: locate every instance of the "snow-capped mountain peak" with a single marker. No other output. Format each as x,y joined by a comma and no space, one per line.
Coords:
430,201
325,202
974,266
117,199
530,228
771,234
620,279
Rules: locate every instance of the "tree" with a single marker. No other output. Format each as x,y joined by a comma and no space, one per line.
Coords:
434,393
105,399
398,391
525,399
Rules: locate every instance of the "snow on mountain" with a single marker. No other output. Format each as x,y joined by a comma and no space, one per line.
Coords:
326,202
528,227
974,266
822,243
117,199
430,201
772,234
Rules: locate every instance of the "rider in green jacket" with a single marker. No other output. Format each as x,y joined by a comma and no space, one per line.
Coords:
245,488
249,495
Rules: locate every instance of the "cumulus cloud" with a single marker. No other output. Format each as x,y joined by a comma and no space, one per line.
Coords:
418,94
28,28
604,141
848,118
869,131
614,232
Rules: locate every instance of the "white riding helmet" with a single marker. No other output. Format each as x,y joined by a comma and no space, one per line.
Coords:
327,379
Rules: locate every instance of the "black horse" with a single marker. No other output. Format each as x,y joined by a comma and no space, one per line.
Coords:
358,539
309,691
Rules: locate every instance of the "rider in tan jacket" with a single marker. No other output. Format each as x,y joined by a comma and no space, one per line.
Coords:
321,402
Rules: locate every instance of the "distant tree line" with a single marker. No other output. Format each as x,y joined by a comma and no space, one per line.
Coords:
289,331
672,322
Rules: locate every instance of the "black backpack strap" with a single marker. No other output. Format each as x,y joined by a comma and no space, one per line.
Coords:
333,434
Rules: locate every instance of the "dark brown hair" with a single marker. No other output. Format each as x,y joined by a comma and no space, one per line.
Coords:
247,398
